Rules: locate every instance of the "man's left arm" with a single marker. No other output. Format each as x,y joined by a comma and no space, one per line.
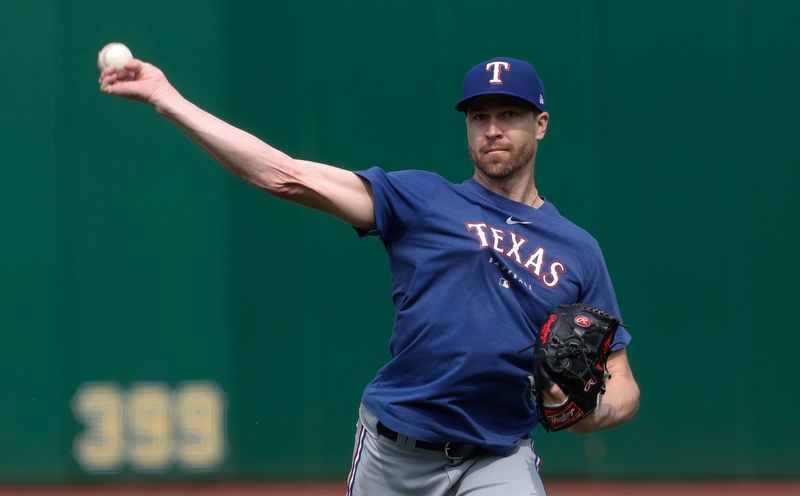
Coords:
620,401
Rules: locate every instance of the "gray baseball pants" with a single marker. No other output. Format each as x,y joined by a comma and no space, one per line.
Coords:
382,467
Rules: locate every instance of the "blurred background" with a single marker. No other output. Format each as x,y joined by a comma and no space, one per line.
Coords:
163,321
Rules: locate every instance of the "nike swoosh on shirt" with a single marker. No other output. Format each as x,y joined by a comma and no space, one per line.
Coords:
512,221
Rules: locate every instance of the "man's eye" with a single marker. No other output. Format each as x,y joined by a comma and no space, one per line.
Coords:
510,113
478,117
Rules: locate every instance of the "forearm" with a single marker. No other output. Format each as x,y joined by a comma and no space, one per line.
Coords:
238,151
618,405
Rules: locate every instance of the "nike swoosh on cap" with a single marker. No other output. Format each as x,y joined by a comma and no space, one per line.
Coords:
512,221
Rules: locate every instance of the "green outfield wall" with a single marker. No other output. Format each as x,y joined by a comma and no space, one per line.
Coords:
162,320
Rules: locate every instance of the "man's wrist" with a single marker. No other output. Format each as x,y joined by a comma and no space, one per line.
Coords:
167,101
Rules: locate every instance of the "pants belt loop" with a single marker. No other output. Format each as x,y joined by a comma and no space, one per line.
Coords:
405,442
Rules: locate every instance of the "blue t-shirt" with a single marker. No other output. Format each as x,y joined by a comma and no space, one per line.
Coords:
474,276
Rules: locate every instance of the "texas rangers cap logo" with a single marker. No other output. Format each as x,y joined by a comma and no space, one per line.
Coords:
583,321
496,68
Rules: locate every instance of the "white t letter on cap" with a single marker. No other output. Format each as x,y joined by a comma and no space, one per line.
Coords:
495,67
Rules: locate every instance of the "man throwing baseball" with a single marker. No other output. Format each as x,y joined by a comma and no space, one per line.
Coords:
478,269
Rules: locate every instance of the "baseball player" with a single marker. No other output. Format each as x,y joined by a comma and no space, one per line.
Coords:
476,269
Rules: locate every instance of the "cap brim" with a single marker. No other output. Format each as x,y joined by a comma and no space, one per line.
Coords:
464,103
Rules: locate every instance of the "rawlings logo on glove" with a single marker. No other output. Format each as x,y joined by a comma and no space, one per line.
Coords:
572,352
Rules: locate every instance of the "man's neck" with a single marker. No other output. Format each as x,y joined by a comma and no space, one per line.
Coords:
519,188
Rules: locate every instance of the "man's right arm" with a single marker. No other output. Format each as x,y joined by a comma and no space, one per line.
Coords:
336,191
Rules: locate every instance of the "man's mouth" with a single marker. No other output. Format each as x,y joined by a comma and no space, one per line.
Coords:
495,149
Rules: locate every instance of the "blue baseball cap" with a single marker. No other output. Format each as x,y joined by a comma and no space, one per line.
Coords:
503,76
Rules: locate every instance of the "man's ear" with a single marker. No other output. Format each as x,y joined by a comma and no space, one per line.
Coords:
541,125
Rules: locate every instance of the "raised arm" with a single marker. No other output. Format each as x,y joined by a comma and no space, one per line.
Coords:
336,191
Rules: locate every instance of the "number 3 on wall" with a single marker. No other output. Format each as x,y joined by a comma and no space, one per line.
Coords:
150,426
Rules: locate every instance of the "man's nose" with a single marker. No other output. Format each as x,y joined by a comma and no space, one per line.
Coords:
493,130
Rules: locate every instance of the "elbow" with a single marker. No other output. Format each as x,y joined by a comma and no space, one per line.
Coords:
280,178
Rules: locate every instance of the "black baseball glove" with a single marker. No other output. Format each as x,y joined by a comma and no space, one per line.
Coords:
572,351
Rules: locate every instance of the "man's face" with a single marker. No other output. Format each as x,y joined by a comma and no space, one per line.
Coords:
503,133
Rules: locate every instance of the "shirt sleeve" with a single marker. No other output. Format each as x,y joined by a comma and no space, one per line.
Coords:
399,199
599,292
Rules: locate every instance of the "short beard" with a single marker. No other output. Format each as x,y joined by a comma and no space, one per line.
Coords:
502,169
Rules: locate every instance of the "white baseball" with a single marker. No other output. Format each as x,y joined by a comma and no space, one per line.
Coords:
115,54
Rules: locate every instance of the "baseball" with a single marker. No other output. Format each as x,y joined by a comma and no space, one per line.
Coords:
115,54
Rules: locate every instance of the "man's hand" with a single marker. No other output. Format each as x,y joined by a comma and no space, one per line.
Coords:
138,81
554,396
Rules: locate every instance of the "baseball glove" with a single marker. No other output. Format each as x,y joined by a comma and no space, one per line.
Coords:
572,351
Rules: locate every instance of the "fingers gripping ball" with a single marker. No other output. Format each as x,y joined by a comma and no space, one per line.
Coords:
113,54
572,352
